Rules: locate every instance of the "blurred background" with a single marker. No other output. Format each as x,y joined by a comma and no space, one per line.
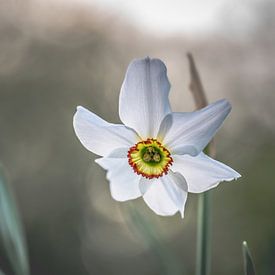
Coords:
55,55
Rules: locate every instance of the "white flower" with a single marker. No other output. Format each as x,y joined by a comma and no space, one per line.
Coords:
156,154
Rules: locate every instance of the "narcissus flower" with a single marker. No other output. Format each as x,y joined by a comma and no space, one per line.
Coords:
155,153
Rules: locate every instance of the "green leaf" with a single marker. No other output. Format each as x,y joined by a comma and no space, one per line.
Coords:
2,273
11,230
249,268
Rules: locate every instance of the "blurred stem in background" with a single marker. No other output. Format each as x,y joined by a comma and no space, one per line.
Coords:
203,234
203,260
11,230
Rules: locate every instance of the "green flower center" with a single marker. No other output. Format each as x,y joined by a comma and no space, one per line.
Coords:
149,158
151,155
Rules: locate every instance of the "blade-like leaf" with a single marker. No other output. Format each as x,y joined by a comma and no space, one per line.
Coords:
11,230
249,268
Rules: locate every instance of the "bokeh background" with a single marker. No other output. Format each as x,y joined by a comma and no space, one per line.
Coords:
55,55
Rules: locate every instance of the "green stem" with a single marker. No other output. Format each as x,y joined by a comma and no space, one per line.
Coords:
203,234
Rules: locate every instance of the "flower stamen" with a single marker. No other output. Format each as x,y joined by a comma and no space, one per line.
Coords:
149,158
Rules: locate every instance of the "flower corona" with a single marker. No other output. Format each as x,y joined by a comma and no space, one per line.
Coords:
149,158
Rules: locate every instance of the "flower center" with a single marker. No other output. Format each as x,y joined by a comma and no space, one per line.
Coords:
151,155
149,158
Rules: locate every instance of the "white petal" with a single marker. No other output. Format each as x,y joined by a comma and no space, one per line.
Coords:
99,136
143,101
167,195
189,133
202,172
144,185
124,183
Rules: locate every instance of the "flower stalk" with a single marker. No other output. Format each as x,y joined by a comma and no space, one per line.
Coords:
203,258
203,234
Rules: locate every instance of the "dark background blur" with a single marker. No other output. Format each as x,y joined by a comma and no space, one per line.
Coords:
57,55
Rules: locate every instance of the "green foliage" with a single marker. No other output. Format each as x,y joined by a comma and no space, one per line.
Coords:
11,230
249,268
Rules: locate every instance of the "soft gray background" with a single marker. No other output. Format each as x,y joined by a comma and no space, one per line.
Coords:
55,56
